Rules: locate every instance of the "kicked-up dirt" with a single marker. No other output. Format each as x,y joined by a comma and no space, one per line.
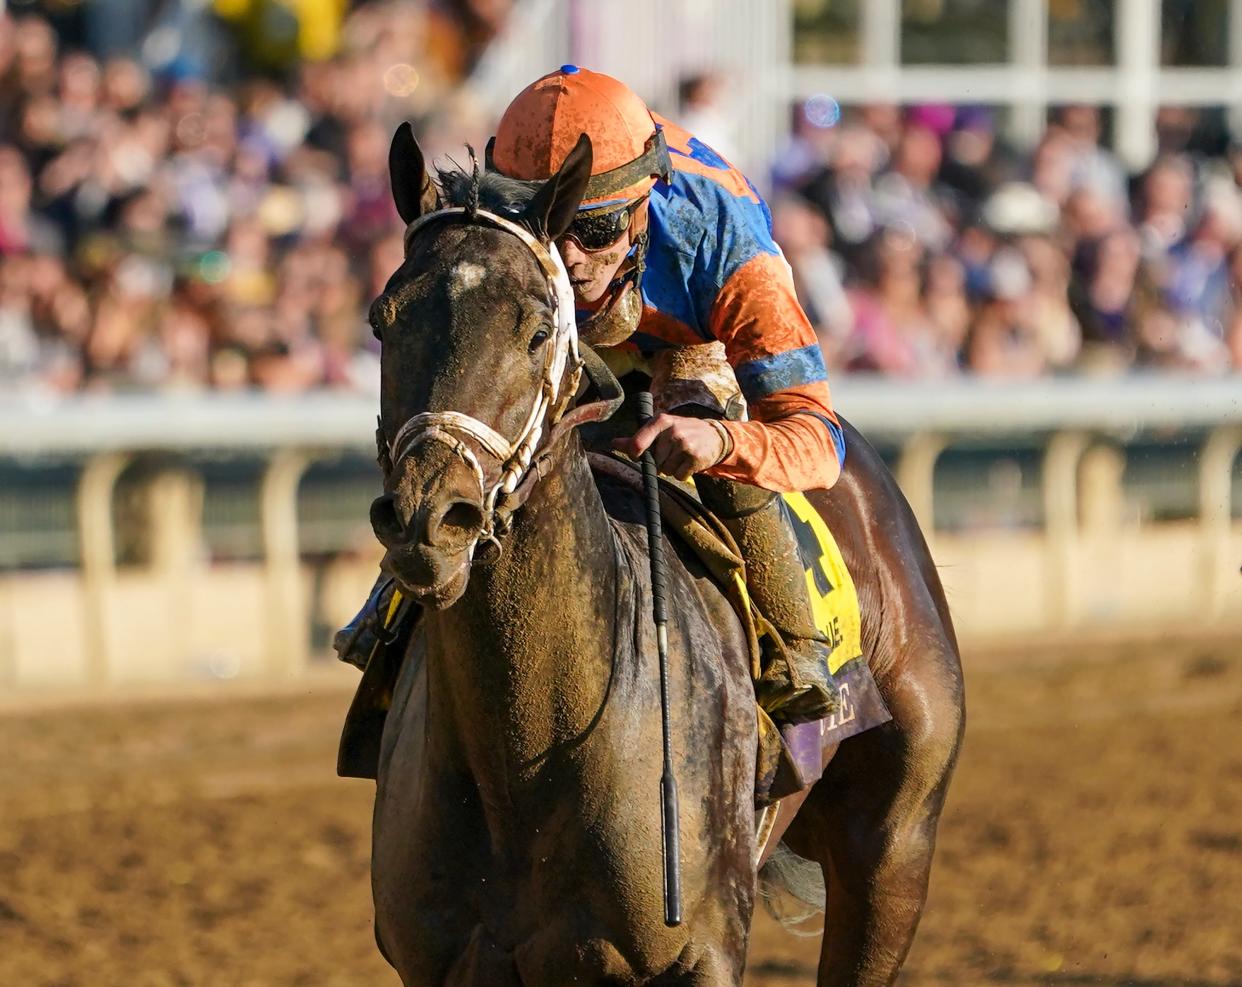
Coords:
1093,836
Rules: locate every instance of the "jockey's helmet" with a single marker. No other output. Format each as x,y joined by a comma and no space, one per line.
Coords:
545,120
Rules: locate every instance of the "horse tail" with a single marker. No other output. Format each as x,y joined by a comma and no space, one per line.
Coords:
792,889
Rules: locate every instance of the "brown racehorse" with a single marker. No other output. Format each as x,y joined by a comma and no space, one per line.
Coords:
517,818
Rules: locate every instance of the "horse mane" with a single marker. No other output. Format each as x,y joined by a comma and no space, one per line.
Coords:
489,190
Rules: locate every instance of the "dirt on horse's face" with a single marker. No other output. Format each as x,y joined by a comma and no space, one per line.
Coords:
464,324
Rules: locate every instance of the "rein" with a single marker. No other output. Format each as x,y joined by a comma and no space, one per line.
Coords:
521,459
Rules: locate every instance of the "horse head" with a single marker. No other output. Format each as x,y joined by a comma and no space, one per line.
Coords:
479,358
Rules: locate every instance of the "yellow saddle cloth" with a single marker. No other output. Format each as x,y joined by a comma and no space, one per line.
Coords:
834,600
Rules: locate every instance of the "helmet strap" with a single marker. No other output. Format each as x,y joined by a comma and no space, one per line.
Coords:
617,319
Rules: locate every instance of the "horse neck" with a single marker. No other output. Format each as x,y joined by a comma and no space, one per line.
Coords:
526,654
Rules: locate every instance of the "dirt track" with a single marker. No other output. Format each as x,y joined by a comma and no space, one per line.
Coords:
1093,836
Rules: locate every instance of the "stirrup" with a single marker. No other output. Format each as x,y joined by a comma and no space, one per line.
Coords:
356,642
797,687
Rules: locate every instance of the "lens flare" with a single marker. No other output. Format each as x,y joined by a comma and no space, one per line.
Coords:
400,79
822,110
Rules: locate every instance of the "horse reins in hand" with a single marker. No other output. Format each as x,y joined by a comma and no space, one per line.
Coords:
556,390
659,600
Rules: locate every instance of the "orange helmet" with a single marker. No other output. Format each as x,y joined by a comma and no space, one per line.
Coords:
545,120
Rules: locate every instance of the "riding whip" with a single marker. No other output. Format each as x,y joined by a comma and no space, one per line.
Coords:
659,594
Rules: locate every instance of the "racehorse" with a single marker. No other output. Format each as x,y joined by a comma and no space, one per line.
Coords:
517,819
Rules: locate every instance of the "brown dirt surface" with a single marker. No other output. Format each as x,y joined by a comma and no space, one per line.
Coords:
1093,836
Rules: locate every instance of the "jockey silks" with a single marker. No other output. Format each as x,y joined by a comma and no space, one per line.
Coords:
714,272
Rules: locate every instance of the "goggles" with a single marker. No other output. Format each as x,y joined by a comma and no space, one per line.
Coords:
600,228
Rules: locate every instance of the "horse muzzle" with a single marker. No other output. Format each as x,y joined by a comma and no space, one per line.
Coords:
429,525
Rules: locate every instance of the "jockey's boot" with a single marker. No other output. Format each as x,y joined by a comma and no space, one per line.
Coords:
356,641
796,685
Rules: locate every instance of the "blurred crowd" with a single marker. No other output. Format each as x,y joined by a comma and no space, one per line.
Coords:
922,245
171,219
162,227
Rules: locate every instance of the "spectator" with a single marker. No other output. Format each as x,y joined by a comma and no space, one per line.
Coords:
158,229
705,111
1196,275
974,162
1164,215
1105,297
809,147
947,306
1049,315
907,194
1004,342
843,190
893,331
804,236
1090,164
20,229
175,233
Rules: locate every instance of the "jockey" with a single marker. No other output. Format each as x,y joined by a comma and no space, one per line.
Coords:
675,273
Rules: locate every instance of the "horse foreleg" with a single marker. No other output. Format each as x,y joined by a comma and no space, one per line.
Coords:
871,824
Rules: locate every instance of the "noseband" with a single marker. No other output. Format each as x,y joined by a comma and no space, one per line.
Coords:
556,390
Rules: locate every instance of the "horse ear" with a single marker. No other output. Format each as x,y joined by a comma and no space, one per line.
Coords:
552,209
412,189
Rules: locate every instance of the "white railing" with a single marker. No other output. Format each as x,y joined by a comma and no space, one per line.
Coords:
1068,557
878,406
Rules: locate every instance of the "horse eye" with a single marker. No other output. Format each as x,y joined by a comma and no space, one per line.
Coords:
383,312
538,339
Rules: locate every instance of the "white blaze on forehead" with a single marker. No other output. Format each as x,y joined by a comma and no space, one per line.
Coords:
466,275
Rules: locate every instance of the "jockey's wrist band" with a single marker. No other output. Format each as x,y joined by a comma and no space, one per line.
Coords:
725,438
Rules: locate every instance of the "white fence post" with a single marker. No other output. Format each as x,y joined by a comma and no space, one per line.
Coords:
1234,27
916,475
288,623
1220,451
880,33
1028,51
1060,481
97,551
1138,65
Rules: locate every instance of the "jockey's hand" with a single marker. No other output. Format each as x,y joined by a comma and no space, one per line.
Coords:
680,446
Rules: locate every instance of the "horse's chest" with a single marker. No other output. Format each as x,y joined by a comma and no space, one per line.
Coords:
551,893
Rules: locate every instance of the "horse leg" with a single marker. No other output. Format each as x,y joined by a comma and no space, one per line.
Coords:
870,823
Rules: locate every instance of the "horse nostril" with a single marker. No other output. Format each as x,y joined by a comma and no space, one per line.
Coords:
384,520
458,524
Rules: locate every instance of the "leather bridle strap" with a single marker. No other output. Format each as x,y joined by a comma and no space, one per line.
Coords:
562,372
611,398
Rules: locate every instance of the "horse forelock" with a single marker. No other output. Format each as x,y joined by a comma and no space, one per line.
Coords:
489,190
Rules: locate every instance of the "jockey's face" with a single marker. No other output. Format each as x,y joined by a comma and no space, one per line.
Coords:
591,272
592,269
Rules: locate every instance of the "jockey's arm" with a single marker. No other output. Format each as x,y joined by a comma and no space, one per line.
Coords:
793,440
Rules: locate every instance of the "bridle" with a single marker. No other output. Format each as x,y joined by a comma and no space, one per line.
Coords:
563,364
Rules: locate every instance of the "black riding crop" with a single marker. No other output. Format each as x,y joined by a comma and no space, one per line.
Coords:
659,594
